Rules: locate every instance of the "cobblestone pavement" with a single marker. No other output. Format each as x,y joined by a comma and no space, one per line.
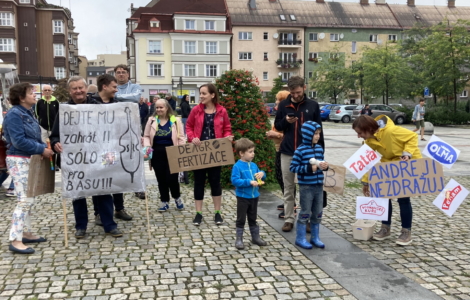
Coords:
180,261
439,256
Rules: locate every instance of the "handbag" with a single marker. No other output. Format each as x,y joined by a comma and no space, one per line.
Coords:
3,151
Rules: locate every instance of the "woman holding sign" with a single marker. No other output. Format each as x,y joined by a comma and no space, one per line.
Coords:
163,129
23,136
209,120
394,143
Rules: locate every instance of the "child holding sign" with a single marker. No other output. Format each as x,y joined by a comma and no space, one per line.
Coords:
246,178
308,164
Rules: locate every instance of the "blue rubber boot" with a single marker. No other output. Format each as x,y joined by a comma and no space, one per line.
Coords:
315,239
300,240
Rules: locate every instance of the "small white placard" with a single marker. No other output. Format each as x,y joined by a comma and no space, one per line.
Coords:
362,161
441,152
451,197
372,208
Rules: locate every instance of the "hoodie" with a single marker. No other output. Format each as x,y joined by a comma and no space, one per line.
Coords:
128,92
301,161
243,173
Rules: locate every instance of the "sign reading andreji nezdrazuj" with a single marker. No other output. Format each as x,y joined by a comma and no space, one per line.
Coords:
102,152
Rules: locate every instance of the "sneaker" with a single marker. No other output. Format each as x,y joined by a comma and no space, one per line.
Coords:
179,204
280,207
164,207
10,193
115,233
384,233
123,215
218,219
404,238
197,219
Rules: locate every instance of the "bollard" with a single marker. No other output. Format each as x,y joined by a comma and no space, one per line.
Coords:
428,128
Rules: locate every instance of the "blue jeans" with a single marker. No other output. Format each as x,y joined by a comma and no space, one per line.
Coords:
406,212
105,209
118,200
184,120
311,203
3,176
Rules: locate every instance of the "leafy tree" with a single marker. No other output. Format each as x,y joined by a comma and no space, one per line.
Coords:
241,96
332,78
61,91
278,84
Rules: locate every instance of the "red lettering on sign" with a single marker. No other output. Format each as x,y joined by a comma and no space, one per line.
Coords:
450,196
372,208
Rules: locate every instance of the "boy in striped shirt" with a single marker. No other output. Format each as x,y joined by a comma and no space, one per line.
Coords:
309,165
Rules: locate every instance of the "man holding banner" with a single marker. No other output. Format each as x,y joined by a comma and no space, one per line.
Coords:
78,91
394,143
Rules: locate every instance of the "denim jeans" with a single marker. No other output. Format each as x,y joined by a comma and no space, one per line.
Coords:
311,203
406,213
105,208
118,200
184,120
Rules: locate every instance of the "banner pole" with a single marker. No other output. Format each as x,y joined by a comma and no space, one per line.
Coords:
148,218
65,224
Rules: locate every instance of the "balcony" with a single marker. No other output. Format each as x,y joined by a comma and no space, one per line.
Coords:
72,67
289,43
289,63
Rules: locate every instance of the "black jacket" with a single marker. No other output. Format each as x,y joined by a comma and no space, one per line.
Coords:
366,112
308,110
46,111
151,110
98,99
185,109
172,103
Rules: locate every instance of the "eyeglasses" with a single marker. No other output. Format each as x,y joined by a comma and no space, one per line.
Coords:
121,73
47,90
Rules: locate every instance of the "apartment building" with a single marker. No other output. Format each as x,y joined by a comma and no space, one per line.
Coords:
109,60
176,46
39,39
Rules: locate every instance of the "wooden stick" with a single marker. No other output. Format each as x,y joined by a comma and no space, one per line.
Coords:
65,224
148,218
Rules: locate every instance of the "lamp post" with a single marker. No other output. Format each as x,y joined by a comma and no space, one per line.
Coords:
181,86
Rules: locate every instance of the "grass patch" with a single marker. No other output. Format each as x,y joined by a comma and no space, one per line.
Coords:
218,286
271,187
356,184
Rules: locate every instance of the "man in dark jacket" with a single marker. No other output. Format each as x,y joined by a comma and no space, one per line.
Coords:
366,110
78,91
143,111
291,114
46,109
185,110
171,101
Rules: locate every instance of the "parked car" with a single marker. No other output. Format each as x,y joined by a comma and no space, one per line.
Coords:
342,113
381,109
325,111
271,109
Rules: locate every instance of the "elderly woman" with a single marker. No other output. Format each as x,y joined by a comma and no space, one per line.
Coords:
394,143
163,130
23,136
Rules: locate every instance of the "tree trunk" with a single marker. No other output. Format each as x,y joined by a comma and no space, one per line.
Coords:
455,96
435,98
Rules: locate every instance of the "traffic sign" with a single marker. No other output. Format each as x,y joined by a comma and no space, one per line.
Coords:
426,91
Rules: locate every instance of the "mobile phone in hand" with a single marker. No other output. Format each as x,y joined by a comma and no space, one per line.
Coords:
291,115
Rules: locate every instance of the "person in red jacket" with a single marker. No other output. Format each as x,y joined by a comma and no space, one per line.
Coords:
208,120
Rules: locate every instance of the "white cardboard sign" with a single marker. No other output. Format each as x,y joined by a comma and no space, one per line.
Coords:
372,208
441,152
362,161
451,197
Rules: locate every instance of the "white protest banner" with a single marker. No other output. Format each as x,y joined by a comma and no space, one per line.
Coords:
362,161
102,152
441,152
372,208
451,197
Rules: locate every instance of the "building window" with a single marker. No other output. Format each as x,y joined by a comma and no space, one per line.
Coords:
189,25
58,50
286,76
154,24
353,47
190,47
245,36
464,94
59,73
210,25
313,94
25,1
312,55
7,45
313,37
75,43
310,74
265,57
293,18
211,47
189,70
392,37
70,39
334,37
156,70
90,81
58,27
244,56
265,75
155,47
91,73
373,38
211,70
6,19
283,17
265,36
334,55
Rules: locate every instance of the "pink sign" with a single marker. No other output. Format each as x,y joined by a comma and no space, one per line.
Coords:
153,92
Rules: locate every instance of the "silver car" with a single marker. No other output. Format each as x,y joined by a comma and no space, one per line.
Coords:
397,116
342,113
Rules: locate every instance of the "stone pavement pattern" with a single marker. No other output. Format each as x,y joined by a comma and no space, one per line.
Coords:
181,261
439,256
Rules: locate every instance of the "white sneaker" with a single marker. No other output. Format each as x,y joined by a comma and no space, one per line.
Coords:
10,193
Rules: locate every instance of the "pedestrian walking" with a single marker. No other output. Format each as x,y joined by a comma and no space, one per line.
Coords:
163,130
208,120
143,112
366,110
394,143
185,111
418,117
23,136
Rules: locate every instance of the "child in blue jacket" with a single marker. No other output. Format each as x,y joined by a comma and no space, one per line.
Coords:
308,164
245,176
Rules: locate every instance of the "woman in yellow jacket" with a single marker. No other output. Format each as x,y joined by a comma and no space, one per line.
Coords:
394,143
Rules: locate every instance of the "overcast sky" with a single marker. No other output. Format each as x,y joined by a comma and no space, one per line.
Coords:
102,24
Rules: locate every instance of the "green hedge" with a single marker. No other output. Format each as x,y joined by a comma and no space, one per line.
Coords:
442,114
